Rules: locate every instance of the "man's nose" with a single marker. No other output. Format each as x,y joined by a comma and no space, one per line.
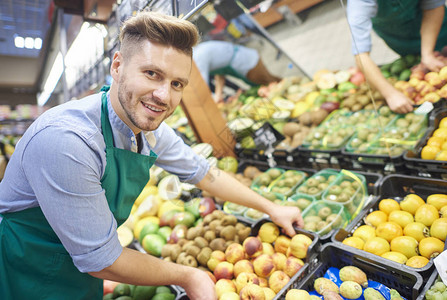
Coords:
163,92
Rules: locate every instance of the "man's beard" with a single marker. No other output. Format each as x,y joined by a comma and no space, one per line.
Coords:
125,99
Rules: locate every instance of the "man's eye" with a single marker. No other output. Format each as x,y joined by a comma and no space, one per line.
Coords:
151,73
177,84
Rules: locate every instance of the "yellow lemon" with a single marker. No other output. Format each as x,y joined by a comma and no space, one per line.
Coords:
354,241
395,256
417,261
375,218
365,232
388,205
377,246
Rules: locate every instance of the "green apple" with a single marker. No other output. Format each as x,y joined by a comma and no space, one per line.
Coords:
228,163
165,232
152,244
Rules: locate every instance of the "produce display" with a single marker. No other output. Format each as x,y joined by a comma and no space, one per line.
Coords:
122,291
411,231
436,147
437,291
348,282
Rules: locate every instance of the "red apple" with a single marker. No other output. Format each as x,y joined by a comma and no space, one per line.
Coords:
179,232
206,206
358,78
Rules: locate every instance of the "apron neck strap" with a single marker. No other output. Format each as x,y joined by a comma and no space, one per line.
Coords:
105,123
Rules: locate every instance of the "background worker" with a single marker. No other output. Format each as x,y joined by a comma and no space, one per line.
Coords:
219,58
78,169
407,27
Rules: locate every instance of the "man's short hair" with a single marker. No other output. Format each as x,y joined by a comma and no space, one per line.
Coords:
158,28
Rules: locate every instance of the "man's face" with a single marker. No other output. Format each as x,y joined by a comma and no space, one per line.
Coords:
150,85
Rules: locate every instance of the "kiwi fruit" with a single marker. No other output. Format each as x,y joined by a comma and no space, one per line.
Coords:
209,235
192,250
320,225
214,224
187,244
166,250
200,242
180,258
244,233
218,214
302,203
218,244
192,233
335,219
218,230
310,226
181,242
167,258
228,233
239,226
204,255
229,220
208,218
324,212
175,251
190,261
315,219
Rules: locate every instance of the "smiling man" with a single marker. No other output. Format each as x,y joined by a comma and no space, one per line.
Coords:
78,169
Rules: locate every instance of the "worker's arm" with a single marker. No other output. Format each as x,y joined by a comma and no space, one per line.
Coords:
138,268
431,25
397,101
219,83
224,186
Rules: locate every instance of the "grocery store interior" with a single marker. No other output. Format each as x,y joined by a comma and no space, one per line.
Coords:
370,182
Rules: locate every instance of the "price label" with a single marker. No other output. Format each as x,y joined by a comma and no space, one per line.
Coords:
266,137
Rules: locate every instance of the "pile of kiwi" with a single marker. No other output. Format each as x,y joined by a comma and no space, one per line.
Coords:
216,232
361,99
323,220
315,185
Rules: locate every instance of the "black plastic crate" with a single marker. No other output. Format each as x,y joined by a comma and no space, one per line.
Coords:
293,158
428,285
373,180
407,283
376,163
396,187
321,159
426,167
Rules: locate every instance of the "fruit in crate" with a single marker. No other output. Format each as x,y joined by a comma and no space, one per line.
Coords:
278,280
252,292
437,291
268,232
296,294
350,290
352,273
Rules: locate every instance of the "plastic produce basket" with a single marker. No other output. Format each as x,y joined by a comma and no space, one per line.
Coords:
396,187
428,285
407,283
340,221
352,202
426,167
308,261
323,176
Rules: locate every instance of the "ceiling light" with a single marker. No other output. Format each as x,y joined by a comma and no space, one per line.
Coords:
29,43
19,42
37,43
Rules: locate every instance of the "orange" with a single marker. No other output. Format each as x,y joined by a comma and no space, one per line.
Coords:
443,123
439,229
435,141
429,152
388,205
365,232
431,247
441,132
375,218
389,230
377,246
406,245
426,214
411,203
403,218
444,145
417,230
417,261
395,256
442,155
355,242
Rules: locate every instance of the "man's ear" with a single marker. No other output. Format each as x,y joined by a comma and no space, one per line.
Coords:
116,65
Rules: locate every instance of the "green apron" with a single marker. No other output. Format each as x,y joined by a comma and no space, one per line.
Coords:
398,23
34,263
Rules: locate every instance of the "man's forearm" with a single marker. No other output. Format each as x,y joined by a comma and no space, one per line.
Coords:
138,268
222,185
373,74
431,25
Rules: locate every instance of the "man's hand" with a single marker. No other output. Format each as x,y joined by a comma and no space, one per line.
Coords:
200,286
399,103
432,62
286,217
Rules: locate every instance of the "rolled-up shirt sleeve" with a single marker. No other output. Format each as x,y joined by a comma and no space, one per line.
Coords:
431,4
64,171
178,158
359,14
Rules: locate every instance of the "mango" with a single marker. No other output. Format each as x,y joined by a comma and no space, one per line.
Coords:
372,294
350,290
351,273
322,285
331,295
